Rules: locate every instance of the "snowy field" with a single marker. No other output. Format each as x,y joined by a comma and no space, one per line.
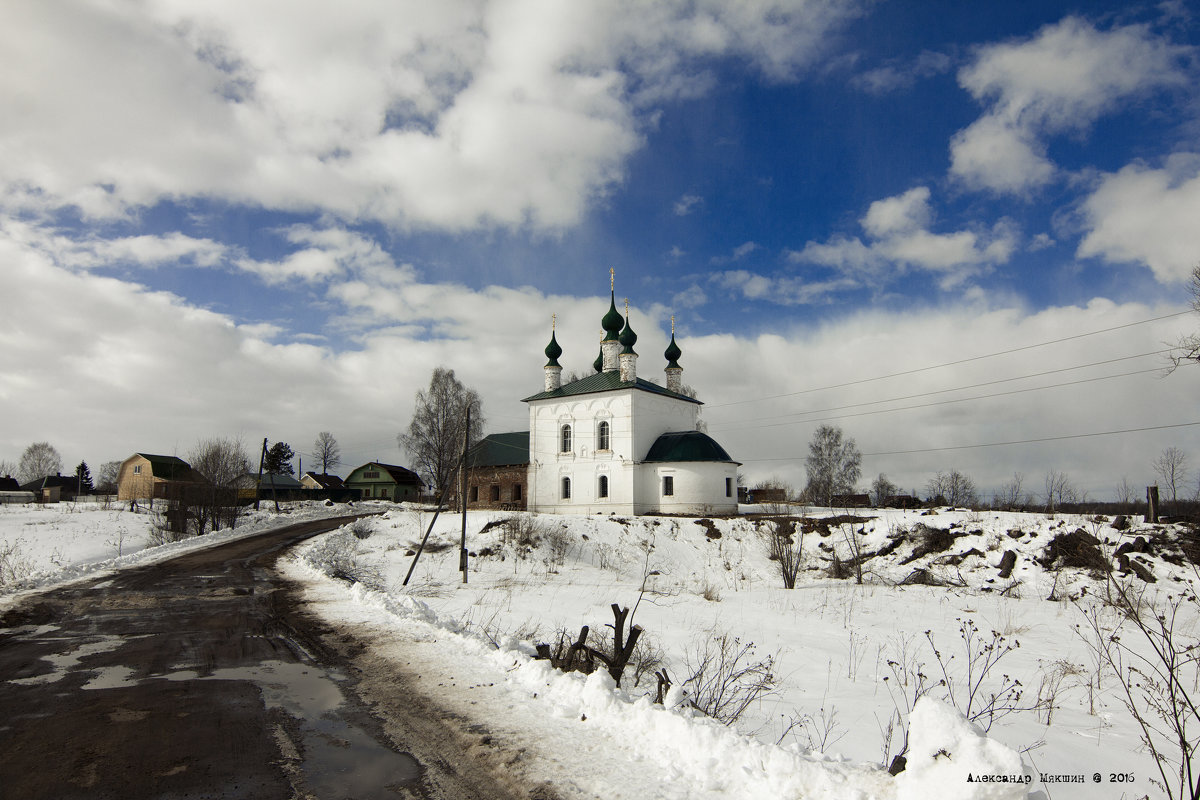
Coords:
846,658
839,662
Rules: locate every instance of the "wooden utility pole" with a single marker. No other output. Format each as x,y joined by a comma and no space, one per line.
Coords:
262,457
1152,504
462,491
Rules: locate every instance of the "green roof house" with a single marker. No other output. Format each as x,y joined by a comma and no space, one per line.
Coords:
377,481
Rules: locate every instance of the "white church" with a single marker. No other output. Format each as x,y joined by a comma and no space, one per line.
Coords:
616,443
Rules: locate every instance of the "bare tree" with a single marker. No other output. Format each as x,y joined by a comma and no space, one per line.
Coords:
39,460
107,482
1009,497
1189,346
326,452
1059,490
834,465
435,435
955,488
1125,493
882,490
7,468
1172,467
220,462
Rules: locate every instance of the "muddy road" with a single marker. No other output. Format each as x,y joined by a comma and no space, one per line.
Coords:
203,677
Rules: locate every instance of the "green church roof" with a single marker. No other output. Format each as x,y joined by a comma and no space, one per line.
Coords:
686,446
501,450
606,382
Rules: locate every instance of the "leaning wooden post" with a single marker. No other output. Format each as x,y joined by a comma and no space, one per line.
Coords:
258,485
462,490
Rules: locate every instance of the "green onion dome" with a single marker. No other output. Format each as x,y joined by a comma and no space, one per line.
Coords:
553,351
672,354
598,364
627,338
612,322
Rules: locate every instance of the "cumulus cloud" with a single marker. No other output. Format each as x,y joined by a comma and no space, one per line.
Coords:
1060,80
453,115
899,239
122,344
1148,216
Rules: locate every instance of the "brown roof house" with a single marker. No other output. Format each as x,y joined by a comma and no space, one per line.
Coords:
376,481
144,476
321,480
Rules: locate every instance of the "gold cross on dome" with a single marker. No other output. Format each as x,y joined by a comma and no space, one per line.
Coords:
553,321
626,308
612,279
672,324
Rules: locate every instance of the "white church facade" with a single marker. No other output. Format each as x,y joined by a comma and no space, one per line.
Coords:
615,443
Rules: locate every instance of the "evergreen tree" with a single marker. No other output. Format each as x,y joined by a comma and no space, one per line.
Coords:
84,477
279,459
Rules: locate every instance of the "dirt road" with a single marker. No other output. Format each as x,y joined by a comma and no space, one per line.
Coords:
202,677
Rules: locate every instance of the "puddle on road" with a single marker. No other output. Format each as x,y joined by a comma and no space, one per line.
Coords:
62,664
339,760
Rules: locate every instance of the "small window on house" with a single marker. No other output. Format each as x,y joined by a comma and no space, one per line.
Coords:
603,489
516,491
602,437
565,439
137,469
370,475
668,486
495,493
729,487
566,488
474,494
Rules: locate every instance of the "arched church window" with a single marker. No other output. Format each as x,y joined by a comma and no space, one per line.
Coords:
603,490
602,437
565,439
566,488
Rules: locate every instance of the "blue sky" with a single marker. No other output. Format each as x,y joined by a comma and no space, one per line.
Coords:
230,220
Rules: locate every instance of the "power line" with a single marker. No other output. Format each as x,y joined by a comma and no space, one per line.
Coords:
940,402
954,363
978,385
1007,444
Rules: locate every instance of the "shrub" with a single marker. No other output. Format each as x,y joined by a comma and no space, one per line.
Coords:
338,556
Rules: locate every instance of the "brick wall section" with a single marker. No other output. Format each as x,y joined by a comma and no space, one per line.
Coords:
507,479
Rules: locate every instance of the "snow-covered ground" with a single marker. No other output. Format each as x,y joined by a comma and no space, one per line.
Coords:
844,657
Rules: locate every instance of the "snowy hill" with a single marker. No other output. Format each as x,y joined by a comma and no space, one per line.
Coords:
943,594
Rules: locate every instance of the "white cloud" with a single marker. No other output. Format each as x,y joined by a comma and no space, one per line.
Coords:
691,297
172,249
158,373
451,115
1060,80
899,240
685,204
1149,216
781,290
898,75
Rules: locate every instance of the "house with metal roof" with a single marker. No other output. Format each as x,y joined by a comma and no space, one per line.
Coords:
498,472
379,481
613,442
144,476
